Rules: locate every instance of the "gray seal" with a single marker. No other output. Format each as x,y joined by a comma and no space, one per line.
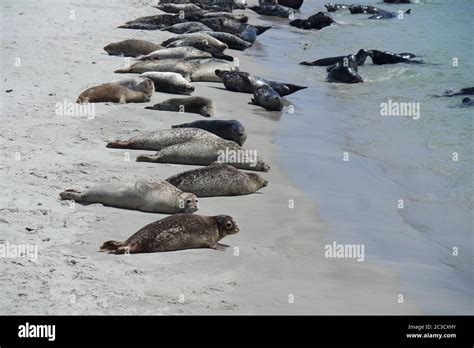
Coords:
137,83
203,46
176,232
197,105
175,53
318,21
226,129
187,27
131,48
149,195
234,42
266,97
218,179
239,81
197,36
155,22
344,72
169,82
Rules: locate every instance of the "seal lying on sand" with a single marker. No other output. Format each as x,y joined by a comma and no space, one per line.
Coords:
238,81
191,146
266,97
199,69
197,36
177,232
169,82
150,195
186,52
155,22
177,8
114,93
217,179
137,83
247,32
379,58
318,21
234,42
203,46
197,105
226,129
344,72
131,48
187,28
360,57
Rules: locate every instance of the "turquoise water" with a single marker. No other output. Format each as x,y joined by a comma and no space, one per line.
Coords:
390,158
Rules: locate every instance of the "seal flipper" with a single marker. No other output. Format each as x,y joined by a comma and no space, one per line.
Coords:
70,195
112,246
148,158
119,144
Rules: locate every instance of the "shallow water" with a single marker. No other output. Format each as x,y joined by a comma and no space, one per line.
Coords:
390,158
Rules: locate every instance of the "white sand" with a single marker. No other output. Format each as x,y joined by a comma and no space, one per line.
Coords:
280,249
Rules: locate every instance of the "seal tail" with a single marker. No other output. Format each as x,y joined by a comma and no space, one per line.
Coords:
123,70
307,63
112,246
70,195
119,144
295,88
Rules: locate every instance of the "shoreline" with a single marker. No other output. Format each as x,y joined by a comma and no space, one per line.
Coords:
280,250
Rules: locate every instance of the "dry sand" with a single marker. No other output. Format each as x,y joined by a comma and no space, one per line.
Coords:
280,253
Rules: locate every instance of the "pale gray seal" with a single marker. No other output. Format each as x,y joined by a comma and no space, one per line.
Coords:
197,36
131,48
226,129
114,93
149,195
191,146
187,28
203,46
234,42
153,22
137,83
198,105
175,53
169,82
177,232
218,179
266,97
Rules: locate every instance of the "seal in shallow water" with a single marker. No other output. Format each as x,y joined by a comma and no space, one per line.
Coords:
150,195
344,72
266,97
318,21
217,179
177,232
361,56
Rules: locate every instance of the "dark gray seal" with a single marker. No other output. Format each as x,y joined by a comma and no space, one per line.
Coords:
271,10
331,7
360,57
176,232
153,22
238,81
344,72
380,58
462,91
218,179
226,129
266,97
198,105
317,21
295,4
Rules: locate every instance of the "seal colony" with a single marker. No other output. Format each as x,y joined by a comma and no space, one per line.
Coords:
202,30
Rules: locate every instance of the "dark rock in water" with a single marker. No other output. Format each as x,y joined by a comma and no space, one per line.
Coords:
296,4
318,21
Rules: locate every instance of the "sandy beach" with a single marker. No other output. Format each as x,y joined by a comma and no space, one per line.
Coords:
53,50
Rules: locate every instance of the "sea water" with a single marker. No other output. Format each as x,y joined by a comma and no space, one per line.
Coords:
401,186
